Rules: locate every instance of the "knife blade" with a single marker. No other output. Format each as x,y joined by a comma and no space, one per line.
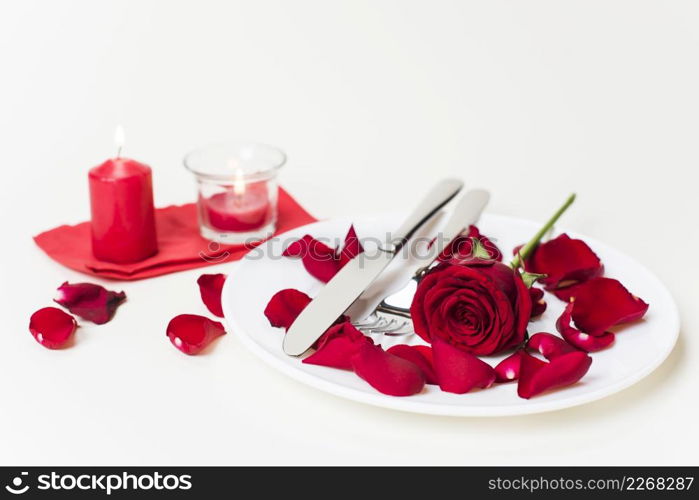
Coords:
466,212
344,288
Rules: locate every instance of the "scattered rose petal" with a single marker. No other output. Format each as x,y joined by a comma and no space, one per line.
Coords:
567,293
352,247
548,345
191,333
335,353
564,259
321,261
343,327
538,302
581,340
52,327
507,370
386,372
426,351
459,371
210,287
462,246
89,301
536,376
337,346
523,308
285,306
604,302
299,247
417,355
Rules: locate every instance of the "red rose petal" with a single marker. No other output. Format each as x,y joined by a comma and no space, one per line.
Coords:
425,350
568,292
416,354
580,339
192,333
320,261
604,302
318,258
337,346
352,247
52,327
345,329
507,370
458,371
564,259
548,345
538,302
210,287
515,250
299,247
536,376
89,301
462,246
320,249
523,309
335,353
285,306
386,372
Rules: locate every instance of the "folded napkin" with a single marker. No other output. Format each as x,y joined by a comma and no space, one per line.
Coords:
180,245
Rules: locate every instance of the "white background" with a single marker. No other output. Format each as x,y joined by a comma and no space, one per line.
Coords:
372,102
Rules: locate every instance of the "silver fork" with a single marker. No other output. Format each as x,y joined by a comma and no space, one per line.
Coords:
391,319
387,320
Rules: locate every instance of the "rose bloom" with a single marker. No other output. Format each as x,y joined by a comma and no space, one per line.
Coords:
481,307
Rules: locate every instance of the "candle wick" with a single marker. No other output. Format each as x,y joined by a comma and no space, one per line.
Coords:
237,200
118,152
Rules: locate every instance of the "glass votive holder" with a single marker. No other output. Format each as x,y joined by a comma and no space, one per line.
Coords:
237,190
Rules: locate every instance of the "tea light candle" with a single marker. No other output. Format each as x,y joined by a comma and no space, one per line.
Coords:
245,207
121,201
237,190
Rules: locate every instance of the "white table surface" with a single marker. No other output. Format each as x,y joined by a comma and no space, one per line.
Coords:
372,101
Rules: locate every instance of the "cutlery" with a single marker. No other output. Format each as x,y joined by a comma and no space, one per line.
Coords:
390,318
349,283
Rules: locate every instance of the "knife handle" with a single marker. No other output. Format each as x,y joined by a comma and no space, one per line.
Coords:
438,196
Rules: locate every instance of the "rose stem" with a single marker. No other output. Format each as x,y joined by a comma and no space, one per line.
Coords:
527,249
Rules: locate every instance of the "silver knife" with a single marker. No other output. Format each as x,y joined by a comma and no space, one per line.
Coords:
466,211
348,284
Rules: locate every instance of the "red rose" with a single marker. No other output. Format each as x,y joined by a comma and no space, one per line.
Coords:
481,309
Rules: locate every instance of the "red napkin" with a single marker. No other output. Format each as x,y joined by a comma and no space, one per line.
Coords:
180,246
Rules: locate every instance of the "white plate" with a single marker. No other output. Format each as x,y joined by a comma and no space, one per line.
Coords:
639,348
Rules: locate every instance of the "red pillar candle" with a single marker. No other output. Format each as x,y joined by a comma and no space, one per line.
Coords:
123,219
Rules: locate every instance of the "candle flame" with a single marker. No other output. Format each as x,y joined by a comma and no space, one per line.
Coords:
239,182
119,139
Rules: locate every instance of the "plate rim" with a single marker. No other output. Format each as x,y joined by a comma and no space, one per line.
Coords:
419,407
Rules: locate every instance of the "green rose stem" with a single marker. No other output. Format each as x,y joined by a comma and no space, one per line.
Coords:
531,245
